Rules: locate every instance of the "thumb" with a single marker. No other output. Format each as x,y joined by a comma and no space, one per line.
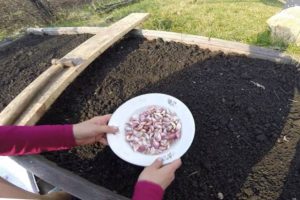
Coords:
105,129
156,164
173,166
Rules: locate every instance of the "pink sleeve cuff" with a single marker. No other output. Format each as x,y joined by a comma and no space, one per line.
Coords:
20,140
145,190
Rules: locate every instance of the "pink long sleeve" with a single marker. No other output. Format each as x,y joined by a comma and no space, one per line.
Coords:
20,140
145,190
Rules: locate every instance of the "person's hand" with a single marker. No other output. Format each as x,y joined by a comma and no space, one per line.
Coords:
161,175
93,130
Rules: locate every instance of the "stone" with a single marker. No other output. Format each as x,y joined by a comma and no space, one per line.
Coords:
285,25
248,192
220,195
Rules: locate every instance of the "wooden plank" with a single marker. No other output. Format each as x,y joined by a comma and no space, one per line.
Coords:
218,45
15,107
213,44
65,30
81,56
65,180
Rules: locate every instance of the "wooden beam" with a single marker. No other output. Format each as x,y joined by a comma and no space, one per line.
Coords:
213,44
218,45
58,78
17,105
64,179
65,30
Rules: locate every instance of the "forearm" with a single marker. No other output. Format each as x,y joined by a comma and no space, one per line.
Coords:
20,140
145,190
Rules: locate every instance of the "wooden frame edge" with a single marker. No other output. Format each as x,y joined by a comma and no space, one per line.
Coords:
213,44
68,181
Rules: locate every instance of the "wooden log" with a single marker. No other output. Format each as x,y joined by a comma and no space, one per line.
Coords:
64,179
81,56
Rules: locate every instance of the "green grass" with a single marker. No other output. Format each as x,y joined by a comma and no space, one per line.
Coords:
235,20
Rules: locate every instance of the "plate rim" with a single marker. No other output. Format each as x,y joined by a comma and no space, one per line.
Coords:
193,128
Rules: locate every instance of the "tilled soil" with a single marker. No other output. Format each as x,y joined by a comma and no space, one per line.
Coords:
247,115
23,60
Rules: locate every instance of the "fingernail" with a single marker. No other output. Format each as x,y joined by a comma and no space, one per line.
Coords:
160,159
115,128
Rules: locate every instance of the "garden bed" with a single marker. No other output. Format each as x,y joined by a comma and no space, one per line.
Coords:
25,59
247,115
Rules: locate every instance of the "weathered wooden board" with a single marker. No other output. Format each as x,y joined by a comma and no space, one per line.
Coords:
65,180
218,45
65,30
50,87
204,42
15,107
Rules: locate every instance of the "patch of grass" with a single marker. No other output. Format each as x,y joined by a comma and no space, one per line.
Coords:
2,35
265,39
10,35
294,51
235,20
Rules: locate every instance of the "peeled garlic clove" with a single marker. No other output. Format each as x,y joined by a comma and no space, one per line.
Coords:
177,134
141,148
178,126
135,146
171,136
155,144
129,137
157,136
152,150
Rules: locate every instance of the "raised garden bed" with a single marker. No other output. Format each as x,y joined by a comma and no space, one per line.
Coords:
25,59
247,115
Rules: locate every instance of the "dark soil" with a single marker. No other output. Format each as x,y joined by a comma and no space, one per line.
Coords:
247,138
23,60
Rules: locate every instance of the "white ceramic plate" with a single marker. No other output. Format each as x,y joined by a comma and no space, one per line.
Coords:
136,105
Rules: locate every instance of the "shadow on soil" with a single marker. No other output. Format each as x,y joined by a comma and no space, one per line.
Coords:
292,183
240,106
237,120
